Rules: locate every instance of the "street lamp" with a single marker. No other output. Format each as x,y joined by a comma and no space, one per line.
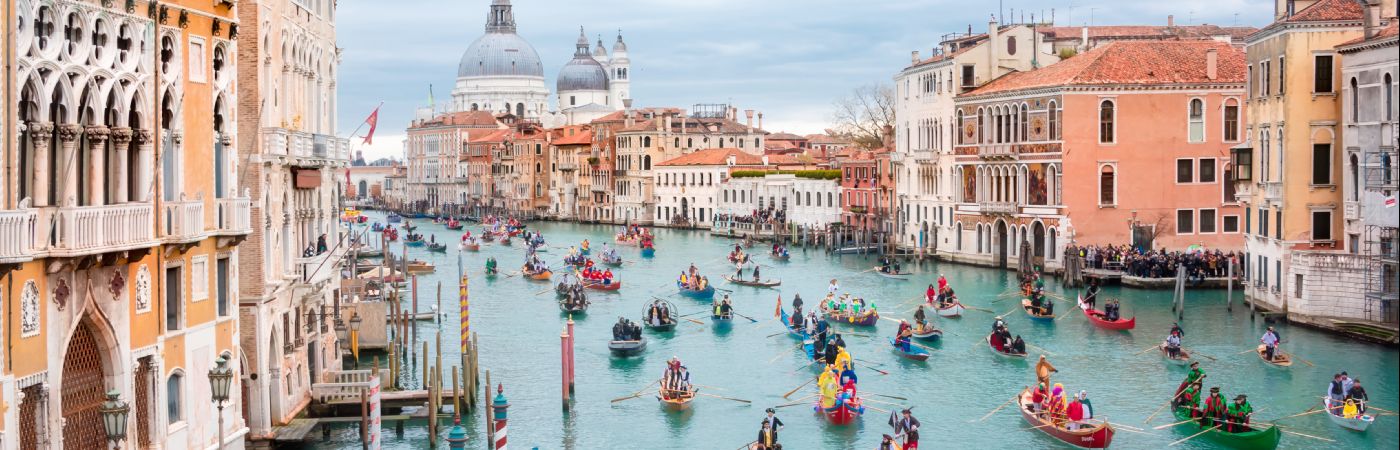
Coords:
220,380
355,336
114,413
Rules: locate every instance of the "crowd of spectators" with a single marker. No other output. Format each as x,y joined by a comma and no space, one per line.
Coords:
768,216
1199,264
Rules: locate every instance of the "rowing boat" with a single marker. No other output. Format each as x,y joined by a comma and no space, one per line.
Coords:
1183,357
914,353
866,318
1357,422
1281,359
615,260
702,294
670,312
539,276
437,248
415,242
577,308
894,275
752,283
927,334
1093,433
1261,437
469,247
505,240
648,252
1097,318
1006,354
954,310
678,400
627,348
600,286
722,322
843,412
1026,305
780,257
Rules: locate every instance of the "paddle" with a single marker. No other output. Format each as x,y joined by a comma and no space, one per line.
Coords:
1310,411
1164,405
1306,435
789,393
744,316
896,397
994,411
800,401
724,398
780,355
638,393
695,321
1203,355
1194,435
1300,358
874,368
1173,424
878,409
1145,350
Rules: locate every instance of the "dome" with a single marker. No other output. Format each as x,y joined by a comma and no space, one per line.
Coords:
582,74
500,54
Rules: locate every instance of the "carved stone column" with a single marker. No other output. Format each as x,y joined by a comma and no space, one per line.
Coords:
41,134
144,142
97,164
67,170
121,143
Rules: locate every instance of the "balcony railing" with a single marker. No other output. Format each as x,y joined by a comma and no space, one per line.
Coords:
18,229
184,220
296,144
996,151
1273,190
233,216
320,268
86,230
998,208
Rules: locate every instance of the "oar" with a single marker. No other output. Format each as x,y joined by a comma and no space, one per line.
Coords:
870,362
744,316
880,402
709,387
1255,350
635,394
1310,411
1119,425
1172,424
800,401
784,353
804,366
1194,435
696,321
1047,352
723,397
896,397
1145,350
1164,405
974,308
994,411
1203,355
789,393
1300,358
1306,435
1377,408
874,368
878,409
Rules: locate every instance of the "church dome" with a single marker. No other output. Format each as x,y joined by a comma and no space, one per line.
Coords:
582,74
500,54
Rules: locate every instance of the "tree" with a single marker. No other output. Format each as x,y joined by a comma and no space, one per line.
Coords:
863,114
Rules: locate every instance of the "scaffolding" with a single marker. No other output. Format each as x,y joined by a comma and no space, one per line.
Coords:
710,110
1383,273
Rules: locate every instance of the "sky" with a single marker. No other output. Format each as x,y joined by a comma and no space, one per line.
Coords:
789,59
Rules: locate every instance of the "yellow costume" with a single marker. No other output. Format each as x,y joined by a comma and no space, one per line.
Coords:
827,384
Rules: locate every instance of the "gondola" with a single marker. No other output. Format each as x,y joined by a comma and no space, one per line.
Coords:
1006,354
600,286
393,218
1357,422
1026,305
1094,433
615,260
469,247
505,240
702,294
954,310
1281,359
752,283
914,353
1096,317
893,275
678,400
627,348
437,248
787,323
415,242
1262,436
648,252
780,256
454,225
1182,358
927,334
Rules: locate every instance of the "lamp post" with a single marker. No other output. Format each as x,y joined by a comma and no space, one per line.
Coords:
220,380
355,337
114,413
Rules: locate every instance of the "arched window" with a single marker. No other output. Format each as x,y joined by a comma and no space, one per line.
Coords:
1107,186
1011,45
1232,120
646,162
959,123
520,110
1355,182
981,125
1025,120
1106,115
1389,98
1051,245
1054,111
646,141
1196,120
174,397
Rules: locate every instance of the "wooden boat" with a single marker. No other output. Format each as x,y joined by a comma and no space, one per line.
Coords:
622,239
1263,436
1096,317
894,275
752,283
780,257
415,242
787,323
627,348
928,334
579,308
1006,354
703,294
562,289
722,321
661,327
843,412
576,261
393,218
454,225
505,240
538,276
678,400
369,252
473,247
491,272
648,252
599,286
377,227
1359,422
1094,433
1182,358
420,267
915,353
437,248
1281,359
954,310
1026,305
735,258
864,319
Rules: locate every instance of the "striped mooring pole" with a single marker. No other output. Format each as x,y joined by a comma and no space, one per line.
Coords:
499,405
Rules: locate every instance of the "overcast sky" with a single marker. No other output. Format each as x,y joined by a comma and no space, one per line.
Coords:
787,58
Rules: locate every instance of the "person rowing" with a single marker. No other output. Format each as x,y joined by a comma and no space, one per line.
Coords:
919,318
1237,415
755,273
902,337
1270,341
1092,293
908,427
1173,346
767,438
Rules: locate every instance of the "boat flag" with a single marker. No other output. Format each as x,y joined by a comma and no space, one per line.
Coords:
778,311
373,121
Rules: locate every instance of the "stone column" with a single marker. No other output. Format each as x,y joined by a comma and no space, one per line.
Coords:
229,167
144,141
41,134
121,143
68,164
97,164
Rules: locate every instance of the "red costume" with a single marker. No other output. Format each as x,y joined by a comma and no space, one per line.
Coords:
1076,411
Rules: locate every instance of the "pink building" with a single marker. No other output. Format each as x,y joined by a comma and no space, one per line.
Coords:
1126,143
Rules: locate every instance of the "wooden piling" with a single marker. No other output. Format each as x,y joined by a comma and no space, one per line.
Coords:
456,396
414,312
563,366
424,381
437,313
364,420
490,430
571,353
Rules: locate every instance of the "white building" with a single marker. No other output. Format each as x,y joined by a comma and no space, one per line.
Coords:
501,72
687,188
808,202
591,85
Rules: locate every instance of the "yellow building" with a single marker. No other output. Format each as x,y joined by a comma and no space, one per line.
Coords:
119,222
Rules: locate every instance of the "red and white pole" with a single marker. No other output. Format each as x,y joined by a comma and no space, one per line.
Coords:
499,406
564,366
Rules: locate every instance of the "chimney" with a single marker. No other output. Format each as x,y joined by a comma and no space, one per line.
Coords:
1171,21
1370,19
684,121
1212,62
993,49
748,114
668,124
760,121
1084,39
914,57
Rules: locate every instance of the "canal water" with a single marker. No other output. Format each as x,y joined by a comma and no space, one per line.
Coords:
519,326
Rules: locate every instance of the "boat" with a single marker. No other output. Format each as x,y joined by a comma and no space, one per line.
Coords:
391,234
954,310
1094,433
576,260
735,258
915,353
415,242
648,252
1357,422
780,256
1281,359
562,289
722,322
662,327
469,247
600,286
393,218
752,283
1026,305
578,308
866,318
893,275
1183,357
420,267
787,323
410,227
702,294
627,348
365,252
1096,317
377,227
857,249
1006,354
1263,436
538,276
438,248
843,412
678,400
927,334
505,240
615,260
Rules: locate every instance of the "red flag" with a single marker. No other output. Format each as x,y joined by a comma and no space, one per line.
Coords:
373,122
348,184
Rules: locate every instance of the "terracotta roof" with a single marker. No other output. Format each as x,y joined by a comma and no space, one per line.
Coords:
785,136
1328,11
494,137
945,56
1130,62
580,137
827,139
463,118
715,157
1389,32
698,125
1147,32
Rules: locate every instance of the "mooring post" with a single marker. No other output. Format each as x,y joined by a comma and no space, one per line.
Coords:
364,420
563,365
1230,284
425,380
486,415
499,407
414,313
571,353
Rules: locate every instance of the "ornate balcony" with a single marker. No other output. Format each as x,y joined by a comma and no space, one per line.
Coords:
90,230
998,208
1273,191
319,269
306,148
184,221
18,230
233,216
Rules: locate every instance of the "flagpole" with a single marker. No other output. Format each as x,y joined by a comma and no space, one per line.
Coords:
362,124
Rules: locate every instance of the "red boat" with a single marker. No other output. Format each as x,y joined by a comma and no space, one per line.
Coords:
599,286
843,413
1096,317
1093,433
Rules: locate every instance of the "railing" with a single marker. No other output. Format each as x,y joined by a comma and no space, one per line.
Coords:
344,386
96,229
233,216
996,151
18,229
275,141
284,142
999,207
184,220
319,268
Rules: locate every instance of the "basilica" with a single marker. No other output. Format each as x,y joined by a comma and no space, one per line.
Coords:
501,72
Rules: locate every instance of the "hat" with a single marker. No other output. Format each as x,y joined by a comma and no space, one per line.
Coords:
1215,389
905,411
1195,363
1239,397
769,410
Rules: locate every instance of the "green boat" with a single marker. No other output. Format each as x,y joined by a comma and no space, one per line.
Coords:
1259,439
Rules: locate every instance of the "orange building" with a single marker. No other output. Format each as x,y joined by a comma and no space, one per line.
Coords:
1125,144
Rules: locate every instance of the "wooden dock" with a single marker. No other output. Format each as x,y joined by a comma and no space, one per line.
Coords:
298,429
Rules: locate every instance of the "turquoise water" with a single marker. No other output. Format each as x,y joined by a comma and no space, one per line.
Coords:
963,381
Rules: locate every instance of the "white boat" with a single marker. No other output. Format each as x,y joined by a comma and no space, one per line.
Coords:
1359,422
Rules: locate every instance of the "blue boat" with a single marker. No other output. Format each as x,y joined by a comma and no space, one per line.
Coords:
394,218
704,294
417,243
648,252
914,352
722,322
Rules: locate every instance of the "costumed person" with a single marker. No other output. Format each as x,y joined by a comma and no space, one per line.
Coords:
1018,346
767,438
1173,346
1043,369
1092,294
909,427
902,337
1075,412
1237,415
919,318
1215,408
1270,341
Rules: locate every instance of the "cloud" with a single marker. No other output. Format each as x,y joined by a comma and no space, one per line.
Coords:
787,58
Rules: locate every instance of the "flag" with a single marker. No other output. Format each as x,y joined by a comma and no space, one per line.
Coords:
373,121
348,185
778,311
355,343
